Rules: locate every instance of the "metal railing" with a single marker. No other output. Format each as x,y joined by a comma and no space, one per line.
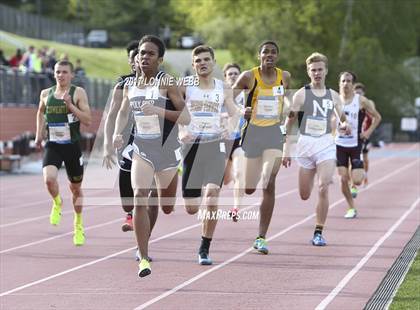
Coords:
34,26
18,87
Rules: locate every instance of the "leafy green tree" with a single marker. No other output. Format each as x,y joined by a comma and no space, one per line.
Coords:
372,38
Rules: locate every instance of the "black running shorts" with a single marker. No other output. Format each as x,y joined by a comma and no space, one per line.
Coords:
203,163
55,154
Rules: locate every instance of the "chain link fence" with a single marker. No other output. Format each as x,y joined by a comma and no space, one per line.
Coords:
17,87
34,26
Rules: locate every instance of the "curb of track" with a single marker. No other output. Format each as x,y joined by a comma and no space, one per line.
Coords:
389,285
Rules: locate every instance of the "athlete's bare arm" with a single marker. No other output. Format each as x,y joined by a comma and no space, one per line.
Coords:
229,103
80,108
40,121
109,127
369,106
184,134
181,115
245,82
287,77
116,100
296,106
121,121
339,114
338,106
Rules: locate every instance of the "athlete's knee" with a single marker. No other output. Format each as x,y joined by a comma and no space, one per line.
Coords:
323,188
304,194
76,189
167,209
141,192
270,185
357,164
141,197
211,196
192,209
212,192
249,191
358,181
345,179
212,208
238,175
50,181
153,192
167,204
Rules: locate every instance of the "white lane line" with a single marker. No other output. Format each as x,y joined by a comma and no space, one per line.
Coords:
282,176
327,300
19,288
65,196
92,262
101,225
166,236
217,267
34,203
56,237
33,219
279,178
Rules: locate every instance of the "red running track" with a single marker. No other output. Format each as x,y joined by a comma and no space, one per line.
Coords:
41,269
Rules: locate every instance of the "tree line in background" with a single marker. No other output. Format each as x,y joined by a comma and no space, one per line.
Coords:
378,40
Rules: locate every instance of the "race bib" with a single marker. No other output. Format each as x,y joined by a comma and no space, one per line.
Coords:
283,129
205,123
152,93
72,118
267,107
222,147
59,133
147,126
178,155
278,90
342,134
316,126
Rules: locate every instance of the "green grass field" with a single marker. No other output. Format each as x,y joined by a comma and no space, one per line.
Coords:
104,63
408,295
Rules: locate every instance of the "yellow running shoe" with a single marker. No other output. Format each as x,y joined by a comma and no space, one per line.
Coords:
354,191
180,169
144,268
79,235
351,213
55,215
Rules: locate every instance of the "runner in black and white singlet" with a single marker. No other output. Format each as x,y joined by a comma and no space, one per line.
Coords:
314,106
125,154
349,146
157,108
203,149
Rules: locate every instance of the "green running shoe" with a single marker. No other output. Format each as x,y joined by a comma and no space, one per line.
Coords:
55,215
144,268
261,245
